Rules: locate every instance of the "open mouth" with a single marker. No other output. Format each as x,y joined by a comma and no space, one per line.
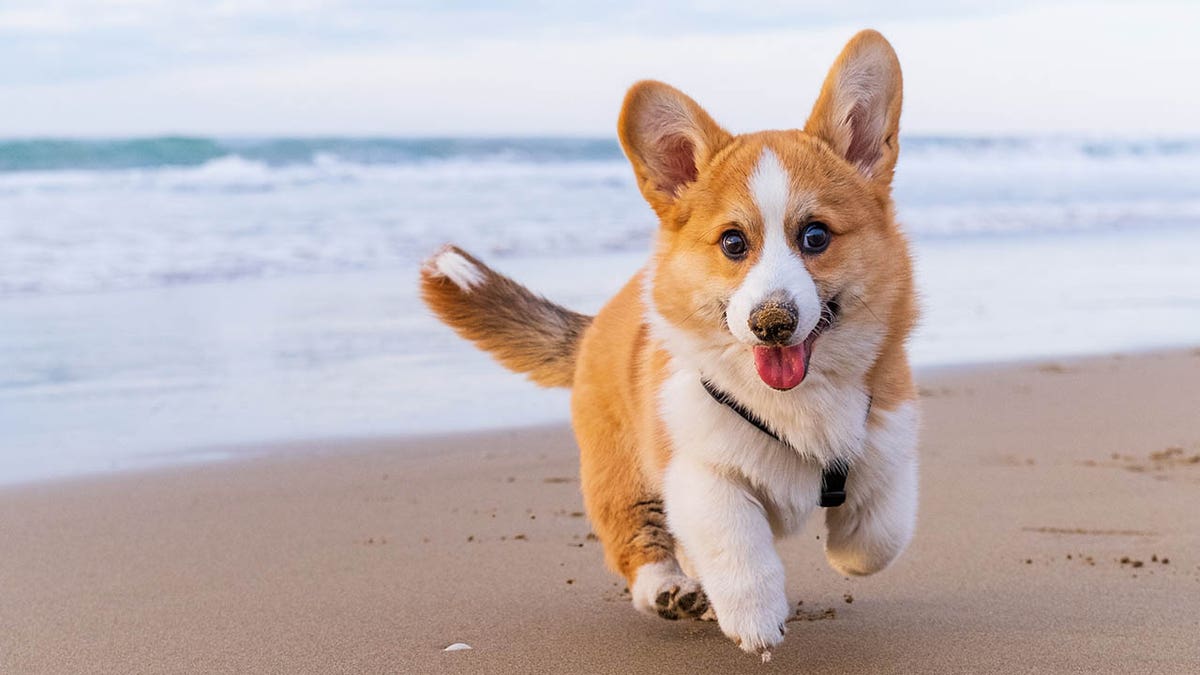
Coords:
785,367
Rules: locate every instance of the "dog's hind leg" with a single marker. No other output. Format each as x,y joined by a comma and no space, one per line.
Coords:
612,406
628,517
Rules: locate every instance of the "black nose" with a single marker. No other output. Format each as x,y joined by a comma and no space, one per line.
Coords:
774,321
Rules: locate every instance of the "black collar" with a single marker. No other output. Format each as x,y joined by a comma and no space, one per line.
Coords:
833,478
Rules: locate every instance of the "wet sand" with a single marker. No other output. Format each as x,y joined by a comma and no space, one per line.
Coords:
1058,532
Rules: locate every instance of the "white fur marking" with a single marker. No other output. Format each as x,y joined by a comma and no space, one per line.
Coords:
778,270
457,269
770,185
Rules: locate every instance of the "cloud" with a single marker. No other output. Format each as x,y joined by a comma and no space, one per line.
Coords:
537,68
67,40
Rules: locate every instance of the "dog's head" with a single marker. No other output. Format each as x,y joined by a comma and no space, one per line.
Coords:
779,244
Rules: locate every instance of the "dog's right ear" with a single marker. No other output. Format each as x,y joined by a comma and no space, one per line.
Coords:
668,138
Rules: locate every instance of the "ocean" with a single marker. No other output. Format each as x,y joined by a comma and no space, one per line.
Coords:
176,299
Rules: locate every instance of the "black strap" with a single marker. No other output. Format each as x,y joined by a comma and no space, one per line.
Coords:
833,484
833,478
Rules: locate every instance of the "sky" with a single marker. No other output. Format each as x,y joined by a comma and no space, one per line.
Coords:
83,68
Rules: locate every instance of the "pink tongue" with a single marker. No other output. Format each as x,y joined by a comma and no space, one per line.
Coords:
781,367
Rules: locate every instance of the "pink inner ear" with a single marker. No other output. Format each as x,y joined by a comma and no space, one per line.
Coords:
674,162
865,126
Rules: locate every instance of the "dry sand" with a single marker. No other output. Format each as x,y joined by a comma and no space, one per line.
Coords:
1038,481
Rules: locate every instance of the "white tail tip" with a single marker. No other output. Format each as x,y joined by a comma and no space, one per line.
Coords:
453,266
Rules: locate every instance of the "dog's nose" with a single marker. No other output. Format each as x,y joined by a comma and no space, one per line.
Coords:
774,321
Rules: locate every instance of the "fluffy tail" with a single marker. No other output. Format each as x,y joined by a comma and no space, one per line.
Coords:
524,332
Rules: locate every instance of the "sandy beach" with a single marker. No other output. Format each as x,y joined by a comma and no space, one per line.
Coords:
1058,533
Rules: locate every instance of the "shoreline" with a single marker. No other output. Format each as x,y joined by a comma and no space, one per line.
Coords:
1037,481
224,453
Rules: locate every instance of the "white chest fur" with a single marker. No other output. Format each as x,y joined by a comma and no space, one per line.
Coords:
822,423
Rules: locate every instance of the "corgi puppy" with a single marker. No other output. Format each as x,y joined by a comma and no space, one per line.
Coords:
760,351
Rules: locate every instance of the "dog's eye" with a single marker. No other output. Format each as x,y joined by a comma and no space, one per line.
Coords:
815,238
733,244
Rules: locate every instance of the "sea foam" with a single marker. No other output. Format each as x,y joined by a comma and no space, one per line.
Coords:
82,216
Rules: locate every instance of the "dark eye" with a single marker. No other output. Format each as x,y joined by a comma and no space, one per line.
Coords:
733,244
815,238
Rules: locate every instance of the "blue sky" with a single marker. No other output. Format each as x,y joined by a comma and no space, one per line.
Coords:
87,68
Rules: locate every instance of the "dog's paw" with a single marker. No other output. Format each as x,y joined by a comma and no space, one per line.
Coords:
662,589
680,599
756,628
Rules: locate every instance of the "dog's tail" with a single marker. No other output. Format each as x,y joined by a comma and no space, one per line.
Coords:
526,333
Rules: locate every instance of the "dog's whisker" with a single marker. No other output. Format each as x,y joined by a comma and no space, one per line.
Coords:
868,307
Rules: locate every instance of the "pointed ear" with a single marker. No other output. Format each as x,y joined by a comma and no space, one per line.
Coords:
858,111
668,138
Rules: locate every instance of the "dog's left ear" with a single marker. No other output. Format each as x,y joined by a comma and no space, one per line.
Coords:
858,111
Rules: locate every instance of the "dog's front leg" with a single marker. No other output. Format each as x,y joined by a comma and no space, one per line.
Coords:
877,520
724,530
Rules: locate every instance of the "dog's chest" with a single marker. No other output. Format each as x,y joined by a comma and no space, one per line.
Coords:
820,425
